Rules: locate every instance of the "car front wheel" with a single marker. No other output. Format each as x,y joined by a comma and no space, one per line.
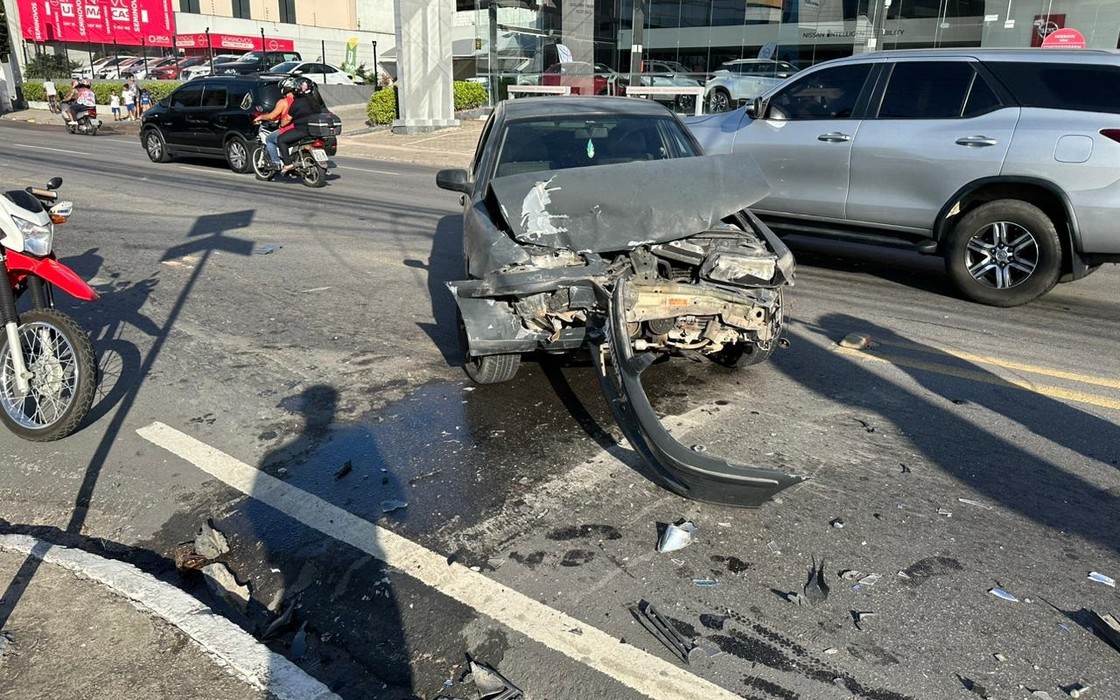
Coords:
1004,253
155,146
486,369
719,101
237,155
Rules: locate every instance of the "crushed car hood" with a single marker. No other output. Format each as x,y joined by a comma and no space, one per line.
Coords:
606,208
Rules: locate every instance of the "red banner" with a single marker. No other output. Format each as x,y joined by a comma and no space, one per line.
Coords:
232,42
124,22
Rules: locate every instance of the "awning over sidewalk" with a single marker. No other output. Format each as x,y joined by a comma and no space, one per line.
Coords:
232,42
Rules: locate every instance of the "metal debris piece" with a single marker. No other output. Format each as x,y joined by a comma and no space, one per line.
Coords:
978,504
1078,690
1000,593
1101,578
863,618
223,584
945,511
851,575
832,650
345,469
797,598
870,579
647,615
677,537
903,575
837,523
999,657
390,506
281,622
492,685
816,588
855,341
1108,627
266,249
210,543
705,582
299,642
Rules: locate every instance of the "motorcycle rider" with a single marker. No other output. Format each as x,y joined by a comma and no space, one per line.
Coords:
305,107
81,98
279,114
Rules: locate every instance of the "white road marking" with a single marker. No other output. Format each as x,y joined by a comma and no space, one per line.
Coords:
208,171
68,151
637,669
366,170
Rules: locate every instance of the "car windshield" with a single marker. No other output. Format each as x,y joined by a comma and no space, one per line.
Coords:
559,143
252,56
286,67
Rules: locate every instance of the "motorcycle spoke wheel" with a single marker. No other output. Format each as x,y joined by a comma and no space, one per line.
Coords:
59,357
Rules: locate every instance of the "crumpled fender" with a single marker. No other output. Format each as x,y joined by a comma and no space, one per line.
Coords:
689,473
49,270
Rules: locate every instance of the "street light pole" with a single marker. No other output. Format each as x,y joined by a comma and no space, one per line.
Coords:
376,72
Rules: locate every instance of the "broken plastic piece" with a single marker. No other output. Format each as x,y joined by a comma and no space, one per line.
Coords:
855,341
774,549
1101,578
390,506
851,575
978,504
492,685
945,511
266,249
705,582
837,523
644,612
1108,627
677,537
1000,593
870,579
815,588
281,622
1078,690
863,618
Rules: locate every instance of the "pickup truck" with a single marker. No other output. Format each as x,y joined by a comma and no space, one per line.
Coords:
256,62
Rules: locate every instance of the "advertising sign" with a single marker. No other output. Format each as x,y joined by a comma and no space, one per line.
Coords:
232,42
1065,38
125,22
1044,26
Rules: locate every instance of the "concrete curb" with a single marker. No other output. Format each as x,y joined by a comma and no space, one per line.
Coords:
230,646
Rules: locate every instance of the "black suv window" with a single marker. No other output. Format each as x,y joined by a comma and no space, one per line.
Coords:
1077,86
267,95
187,96
935,90
827,94
215,96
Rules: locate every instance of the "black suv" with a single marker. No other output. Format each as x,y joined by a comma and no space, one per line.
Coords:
212,116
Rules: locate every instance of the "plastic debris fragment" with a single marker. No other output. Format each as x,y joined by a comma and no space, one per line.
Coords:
281,622
851,575
1108,627
816,588
978,504
266,249
1101,578
855,341
1078,690
862,618
837,523
705,582
945,511
774,549
390,506
870,579
685,649
1000,593
677,537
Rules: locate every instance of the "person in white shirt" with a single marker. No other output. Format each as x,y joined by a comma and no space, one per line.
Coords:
115,105
52,94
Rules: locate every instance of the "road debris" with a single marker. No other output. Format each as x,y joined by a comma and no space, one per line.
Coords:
677,536
978,504
5,646
774,549
209,542
1041,695
870,579
851,575
999,657
345,469
492,685
1000,593
299,642
186,559
266,249
647,616
390,506
223,584
815,588
904,469
837,523
1108,626
713,621
863,618
1101,578
705,582
855,341
280,622
832,650
945,511
1078,690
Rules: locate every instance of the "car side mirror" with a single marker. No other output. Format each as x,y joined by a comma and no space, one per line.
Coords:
54,183
454,179
297,72
755,109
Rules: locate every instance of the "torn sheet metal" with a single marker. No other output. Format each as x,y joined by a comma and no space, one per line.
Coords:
684,471
606,208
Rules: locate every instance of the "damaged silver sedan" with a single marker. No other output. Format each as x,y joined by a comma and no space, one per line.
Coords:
596,221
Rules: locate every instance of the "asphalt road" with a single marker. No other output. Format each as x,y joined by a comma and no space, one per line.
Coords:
297,331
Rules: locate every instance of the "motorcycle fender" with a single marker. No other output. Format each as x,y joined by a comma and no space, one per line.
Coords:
52,271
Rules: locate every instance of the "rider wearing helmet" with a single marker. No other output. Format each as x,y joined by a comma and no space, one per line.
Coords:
304,107
279,114
81,95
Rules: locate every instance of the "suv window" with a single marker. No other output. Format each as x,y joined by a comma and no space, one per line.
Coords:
826,94
267,95
187,96
1083,87
927,90
214,96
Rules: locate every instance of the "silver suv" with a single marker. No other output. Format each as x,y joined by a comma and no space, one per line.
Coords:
1004,161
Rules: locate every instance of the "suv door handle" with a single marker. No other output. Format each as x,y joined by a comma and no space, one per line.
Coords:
976,141
834,137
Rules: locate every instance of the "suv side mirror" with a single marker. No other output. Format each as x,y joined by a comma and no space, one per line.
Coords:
755,108
454,179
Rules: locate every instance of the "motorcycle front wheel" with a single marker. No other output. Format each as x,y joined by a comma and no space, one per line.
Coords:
59,356
262,166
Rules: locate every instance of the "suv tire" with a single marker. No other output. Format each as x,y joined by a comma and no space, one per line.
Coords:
1004,253
720,101
156,146
238,155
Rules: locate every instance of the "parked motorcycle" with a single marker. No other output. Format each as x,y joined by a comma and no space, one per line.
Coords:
47,368
85,120
308,155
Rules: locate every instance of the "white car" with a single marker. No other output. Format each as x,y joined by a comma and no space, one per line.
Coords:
204,68
742,80
89,72
322,73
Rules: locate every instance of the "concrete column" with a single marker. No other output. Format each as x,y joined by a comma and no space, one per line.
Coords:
425,90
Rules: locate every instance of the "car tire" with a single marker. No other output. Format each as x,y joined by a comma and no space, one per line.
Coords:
486,369
156,146
686,103
719,101
1004,253
238,155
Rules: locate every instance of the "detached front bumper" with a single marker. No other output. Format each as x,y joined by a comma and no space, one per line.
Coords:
689,473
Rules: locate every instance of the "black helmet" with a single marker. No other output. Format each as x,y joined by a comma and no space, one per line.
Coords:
305,86
287,86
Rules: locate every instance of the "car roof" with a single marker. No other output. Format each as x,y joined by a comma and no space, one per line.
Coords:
566,106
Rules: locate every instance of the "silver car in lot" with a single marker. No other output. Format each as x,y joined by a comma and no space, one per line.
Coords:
743,79
1003,161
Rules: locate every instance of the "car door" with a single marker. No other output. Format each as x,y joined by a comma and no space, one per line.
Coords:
803,141
210,123
183,102
939,125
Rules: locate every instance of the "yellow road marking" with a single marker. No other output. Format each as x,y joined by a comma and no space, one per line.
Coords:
986,378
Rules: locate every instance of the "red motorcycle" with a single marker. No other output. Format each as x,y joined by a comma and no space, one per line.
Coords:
48,372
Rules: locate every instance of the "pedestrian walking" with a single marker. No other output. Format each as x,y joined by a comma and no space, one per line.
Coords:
52,95
129,98
115,105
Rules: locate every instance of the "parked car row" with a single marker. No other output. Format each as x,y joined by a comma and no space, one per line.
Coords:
191,67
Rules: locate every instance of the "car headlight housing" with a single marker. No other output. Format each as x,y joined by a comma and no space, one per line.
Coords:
37,238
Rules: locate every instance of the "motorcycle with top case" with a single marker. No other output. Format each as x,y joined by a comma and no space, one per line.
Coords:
48,373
